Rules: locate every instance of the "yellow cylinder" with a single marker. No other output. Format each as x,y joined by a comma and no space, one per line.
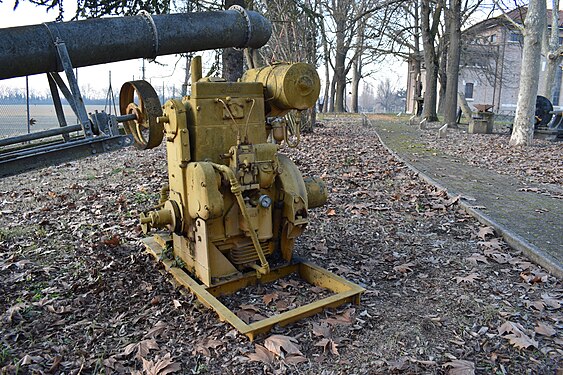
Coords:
288,86
317,193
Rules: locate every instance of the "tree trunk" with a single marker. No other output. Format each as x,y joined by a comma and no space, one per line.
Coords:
339,67
454,19
553,57
464,106
332,94
523,128
357,76
430,86
442,75
233,59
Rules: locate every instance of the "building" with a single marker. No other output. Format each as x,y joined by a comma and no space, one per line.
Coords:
490,63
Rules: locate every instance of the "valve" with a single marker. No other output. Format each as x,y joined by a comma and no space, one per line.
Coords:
166,217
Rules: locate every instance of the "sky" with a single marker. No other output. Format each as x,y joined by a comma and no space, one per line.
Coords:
169,72
92,79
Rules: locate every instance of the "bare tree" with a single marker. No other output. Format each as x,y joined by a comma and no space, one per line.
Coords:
453,14
295,36
430,21
534,25
552,52
387,98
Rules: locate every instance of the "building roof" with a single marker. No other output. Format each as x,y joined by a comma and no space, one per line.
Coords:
518,15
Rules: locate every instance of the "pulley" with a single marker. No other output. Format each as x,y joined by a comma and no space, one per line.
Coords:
140,99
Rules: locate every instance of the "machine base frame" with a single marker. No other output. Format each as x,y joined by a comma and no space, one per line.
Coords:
344,290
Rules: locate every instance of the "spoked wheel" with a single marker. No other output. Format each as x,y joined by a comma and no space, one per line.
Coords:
139,98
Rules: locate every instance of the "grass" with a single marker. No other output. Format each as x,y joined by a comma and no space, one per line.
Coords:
7,234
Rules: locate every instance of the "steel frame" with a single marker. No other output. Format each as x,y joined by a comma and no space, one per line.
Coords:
20,159
345,291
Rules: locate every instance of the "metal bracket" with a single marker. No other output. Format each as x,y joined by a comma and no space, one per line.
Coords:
148,18
58,105
246,17
65,62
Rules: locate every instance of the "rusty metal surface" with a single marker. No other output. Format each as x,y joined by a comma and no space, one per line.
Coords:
146,130
28,50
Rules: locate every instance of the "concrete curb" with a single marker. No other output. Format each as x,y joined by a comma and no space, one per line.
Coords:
515,241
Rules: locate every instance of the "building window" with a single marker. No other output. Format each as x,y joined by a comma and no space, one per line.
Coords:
469,90
515,36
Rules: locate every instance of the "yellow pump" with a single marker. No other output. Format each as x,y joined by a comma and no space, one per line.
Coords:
234,205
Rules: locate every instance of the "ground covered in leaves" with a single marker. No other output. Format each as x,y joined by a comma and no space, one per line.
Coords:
538,163
444,294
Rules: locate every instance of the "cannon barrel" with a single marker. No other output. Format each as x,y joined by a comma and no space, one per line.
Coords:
27,50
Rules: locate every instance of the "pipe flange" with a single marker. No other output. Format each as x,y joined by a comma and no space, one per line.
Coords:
245,15
148,18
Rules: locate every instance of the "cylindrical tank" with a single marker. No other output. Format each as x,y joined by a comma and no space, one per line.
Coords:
28,50
317,193
288,86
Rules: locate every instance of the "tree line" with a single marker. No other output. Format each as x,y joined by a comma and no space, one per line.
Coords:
348,38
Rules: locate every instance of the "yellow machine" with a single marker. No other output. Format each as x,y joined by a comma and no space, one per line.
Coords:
233,205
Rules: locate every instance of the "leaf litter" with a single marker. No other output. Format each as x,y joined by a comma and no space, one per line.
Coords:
78,294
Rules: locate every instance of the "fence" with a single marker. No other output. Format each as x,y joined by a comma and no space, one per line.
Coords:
23,113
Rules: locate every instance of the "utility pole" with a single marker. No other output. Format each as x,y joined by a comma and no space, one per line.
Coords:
143,70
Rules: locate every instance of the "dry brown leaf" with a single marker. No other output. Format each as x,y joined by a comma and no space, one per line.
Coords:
493,244
142,348
157,330
26,360
207,343
521,341
533,277
484,231
14,311
295,359
344,319
330,212
113,241
521,264
460,367
247,315
551,301
501,258
113,364
267,298
328,345
475,258
404,268
516,335
261,354
467,279
538,305
282,345
545,329
510,327
160,366
322,330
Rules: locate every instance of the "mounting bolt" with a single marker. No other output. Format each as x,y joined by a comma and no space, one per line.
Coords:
265,201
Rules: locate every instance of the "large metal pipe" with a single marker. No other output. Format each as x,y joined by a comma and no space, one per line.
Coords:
28,50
